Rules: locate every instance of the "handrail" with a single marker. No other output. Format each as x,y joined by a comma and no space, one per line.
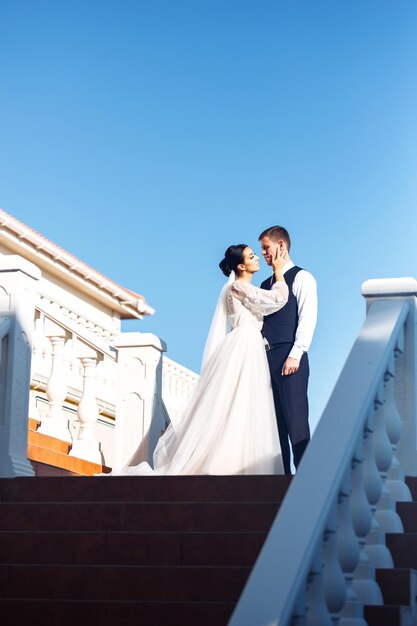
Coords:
276,590
96,344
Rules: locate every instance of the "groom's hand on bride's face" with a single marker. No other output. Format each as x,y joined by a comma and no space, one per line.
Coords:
290,366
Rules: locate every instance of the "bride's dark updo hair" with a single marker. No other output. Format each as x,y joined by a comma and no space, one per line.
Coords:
232,257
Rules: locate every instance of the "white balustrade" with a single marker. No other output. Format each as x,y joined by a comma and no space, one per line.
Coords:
178,385
83,387
342,500
128,374
62,371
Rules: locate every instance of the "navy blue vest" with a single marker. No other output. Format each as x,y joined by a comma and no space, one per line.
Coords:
280,327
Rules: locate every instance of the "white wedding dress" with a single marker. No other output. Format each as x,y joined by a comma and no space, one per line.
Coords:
229,425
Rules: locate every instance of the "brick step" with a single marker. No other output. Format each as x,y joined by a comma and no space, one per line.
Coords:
142,550
68,613
138,516
144,488
403,548
399,587
388,616
411,481
408,513
132,548
91,582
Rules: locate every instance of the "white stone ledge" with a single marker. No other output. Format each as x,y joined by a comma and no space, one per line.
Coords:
394,287
134,340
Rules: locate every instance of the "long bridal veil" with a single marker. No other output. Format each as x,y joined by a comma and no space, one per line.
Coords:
219,322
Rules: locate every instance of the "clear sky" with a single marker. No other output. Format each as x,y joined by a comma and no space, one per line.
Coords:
145,136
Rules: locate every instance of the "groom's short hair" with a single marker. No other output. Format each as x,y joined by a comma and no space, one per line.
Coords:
275,233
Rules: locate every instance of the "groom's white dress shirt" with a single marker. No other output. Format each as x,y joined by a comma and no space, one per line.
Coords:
305,291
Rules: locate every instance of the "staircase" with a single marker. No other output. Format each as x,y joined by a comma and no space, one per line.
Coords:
127,550
154,550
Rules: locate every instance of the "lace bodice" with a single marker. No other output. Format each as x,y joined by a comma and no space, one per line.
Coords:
247,304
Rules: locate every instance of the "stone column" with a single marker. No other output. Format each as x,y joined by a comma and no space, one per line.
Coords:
140,413
18,287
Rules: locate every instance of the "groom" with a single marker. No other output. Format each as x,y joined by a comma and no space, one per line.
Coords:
288,334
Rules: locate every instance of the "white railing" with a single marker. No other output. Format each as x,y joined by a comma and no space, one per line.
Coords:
178,384
96,389
317,566
105,399
76,372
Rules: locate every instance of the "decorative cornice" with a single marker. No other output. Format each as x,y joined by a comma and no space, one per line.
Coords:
35,247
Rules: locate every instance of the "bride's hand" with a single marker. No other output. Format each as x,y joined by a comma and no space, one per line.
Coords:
280,259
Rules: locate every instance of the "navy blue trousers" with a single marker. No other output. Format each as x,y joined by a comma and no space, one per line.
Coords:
291,404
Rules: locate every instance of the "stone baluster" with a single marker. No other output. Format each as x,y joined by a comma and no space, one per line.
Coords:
351,613
395,483
376,548
87,446
396,475
364,584
386,513
55,423
334,582
317,612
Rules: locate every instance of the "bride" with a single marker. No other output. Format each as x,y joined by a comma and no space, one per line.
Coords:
229,425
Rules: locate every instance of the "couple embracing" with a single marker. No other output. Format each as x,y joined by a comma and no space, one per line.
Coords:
251,399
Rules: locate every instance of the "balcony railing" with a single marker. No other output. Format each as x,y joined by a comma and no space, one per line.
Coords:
178,384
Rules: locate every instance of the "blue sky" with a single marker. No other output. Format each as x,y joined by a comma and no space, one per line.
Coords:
146,136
